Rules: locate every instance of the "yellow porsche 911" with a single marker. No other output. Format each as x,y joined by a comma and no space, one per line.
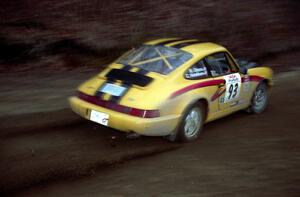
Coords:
171,87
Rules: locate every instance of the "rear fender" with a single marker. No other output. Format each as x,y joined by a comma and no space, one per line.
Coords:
178,105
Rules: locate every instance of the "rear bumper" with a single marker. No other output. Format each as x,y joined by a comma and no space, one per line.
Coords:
160,126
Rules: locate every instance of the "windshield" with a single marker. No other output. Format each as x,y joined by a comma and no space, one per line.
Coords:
160,59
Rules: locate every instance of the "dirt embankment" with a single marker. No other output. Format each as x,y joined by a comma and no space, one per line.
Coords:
64,35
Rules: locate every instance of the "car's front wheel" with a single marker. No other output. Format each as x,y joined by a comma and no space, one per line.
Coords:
191,124
259,100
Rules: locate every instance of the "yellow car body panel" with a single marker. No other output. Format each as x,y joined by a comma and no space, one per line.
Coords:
152,127
169,94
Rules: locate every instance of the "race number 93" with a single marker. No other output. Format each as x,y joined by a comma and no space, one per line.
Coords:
233,87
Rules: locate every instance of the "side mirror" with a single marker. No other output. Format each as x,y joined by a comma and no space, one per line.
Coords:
243,70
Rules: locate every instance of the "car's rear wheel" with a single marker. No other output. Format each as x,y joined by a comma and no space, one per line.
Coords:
260,99
190,125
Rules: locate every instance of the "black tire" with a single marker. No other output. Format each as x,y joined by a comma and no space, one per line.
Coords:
260,99
189,120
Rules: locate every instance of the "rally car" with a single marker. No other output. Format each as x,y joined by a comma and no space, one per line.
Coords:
171,87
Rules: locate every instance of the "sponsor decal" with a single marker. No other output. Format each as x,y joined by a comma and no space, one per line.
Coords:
242,101
196,72
239,102
234,103
233,87
222,100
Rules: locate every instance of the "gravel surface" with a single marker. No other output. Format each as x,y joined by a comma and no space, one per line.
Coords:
242,155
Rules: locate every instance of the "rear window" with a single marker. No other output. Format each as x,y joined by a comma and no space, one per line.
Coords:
159,59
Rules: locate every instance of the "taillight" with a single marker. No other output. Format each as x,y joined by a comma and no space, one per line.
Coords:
137,112
152,114
119,108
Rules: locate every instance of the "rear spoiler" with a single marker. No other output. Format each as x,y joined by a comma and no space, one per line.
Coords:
129,78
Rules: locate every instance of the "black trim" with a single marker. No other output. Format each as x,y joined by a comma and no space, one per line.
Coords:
126,67
198,78
142,71
98,93
111,80
129,77
185,44
228,56
115,99
210,68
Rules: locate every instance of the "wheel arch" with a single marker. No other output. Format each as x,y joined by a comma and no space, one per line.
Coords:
201,101
205,106
268,82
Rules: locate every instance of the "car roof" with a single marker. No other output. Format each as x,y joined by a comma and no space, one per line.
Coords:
193,46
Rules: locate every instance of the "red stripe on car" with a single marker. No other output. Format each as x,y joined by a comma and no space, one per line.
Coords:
252,78
256,78
142,113
212,83
218,93
196,86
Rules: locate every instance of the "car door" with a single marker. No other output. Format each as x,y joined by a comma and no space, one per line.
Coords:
230,92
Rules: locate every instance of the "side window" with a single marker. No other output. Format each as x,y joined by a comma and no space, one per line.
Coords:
197,71
218,64
233,66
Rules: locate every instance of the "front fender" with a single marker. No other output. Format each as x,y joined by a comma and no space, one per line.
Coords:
264,72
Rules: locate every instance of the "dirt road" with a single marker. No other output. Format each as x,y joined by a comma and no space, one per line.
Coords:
241,155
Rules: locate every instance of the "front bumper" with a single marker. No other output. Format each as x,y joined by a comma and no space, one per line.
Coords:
160,126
